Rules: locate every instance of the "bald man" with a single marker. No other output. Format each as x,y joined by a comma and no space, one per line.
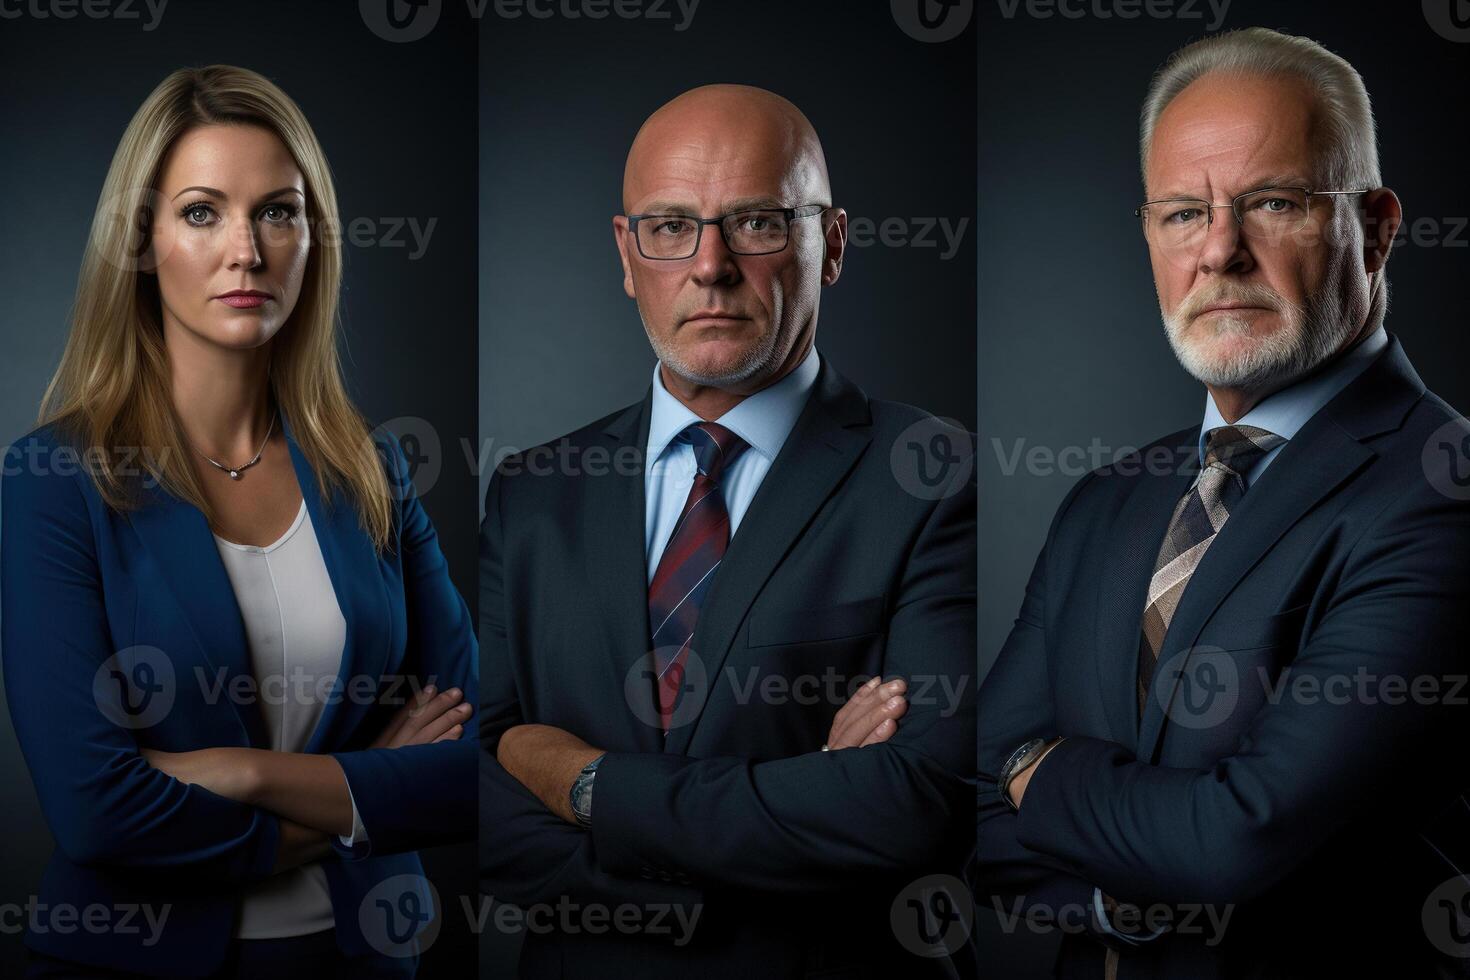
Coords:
728,713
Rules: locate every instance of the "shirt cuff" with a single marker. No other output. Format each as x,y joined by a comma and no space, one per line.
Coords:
1132,939
359,834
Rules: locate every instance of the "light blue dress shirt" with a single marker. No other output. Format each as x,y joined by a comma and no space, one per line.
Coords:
1283,412
763,420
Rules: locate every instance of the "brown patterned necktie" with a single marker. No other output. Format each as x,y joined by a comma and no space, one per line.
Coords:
1230,450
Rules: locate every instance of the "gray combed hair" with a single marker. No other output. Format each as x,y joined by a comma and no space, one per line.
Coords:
1346,136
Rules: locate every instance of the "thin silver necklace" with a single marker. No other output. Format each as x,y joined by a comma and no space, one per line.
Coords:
235,471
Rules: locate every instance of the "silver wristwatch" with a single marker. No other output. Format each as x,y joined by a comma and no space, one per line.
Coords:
1019,760
581,794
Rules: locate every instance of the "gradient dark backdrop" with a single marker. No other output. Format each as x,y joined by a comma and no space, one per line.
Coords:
397,123
562,345
1072,348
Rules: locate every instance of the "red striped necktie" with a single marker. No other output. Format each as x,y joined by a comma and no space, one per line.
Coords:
689,561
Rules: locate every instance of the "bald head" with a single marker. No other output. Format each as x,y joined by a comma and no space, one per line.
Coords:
725,322
713,139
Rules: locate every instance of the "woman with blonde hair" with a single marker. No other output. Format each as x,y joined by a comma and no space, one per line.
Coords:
237,668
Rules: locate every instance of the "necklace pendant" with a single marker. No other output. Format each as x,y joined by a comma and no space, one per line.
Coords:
234,474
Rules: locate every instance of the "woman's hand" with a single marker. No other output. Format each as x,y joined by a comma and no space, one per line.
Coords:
870,717
427,717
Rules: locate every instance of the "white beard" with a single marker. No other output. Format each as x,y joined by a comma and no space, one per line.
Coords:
1309,334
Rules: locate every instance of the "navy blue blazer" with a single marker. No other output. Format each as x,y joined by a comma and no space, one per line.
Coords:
88,591
1319,814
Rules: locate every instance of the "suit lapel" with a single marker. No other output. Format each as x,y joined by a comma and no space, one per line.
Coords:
352,564
1308,468
1133,544
183,547
829,435
1325,454
616,552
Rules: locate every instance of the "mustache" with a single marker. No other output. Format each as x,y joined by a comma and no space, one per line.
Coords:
1251,294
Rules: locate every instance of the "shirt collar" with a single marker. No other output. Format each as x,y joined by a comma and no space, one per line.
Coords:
1284,412
763,420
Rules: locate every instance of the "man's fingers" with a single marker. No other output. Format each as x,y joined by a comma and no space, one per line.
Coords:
853,725
890,710
885,729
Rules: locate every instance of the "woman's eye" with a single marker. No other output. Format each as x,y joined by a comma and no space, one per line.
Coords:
279,213
197,214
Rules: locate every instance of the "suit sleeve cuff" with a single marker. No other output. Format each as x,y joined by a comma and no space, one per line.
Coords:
1104,926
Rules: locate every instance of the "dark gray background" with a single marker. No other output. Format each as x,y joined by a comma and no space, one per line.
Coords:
1072,348
562,345
397,122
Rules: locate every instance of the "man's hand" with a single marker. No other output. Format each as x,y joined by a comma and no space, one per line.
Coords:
1019,781
546,761
870,717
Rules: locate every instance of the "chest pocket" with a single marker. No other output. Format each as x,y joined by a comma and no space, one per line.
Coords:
1257,631
775,627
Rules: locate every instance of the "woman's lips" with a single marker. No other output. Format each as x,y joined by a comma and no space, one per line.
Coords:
243,301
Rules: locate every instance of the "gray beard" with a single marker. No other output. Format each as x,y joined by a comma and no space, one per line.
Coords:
1310,334
761,357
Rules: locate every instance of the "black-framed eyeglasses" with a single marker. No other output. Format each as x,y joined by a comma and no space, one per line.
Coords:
754,231
1267,213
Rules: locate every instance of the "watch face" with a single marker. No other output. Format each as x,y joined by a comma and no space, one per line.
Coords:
582,796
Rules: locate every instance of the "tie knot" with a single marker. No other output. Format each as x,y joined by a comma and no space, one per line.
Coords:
1237,447
715,447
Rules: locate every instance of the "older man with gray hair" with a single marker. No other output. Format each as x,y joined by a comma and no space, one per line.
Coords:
1221,738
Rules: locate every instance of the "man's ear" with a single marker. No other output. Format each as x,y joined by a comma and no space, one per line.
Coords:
834,234
1382,216
620,235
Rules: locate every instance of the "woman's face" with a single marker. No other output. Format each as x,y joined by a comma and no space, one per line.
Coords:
230,218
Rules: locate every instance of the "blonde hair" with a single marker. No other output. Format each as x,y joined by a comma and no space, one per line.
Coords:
111,389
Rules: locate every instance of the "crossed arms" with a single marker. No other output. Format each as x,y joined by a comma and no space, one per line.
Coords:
233,813
811,822
1092,816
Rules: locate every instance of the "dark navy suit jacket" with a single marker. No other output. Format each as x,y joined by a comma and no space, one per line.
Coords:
88,591
1320,819
793,858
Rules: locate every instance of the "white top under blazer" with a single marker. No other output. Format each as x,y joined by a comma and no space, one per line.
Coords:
296,635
